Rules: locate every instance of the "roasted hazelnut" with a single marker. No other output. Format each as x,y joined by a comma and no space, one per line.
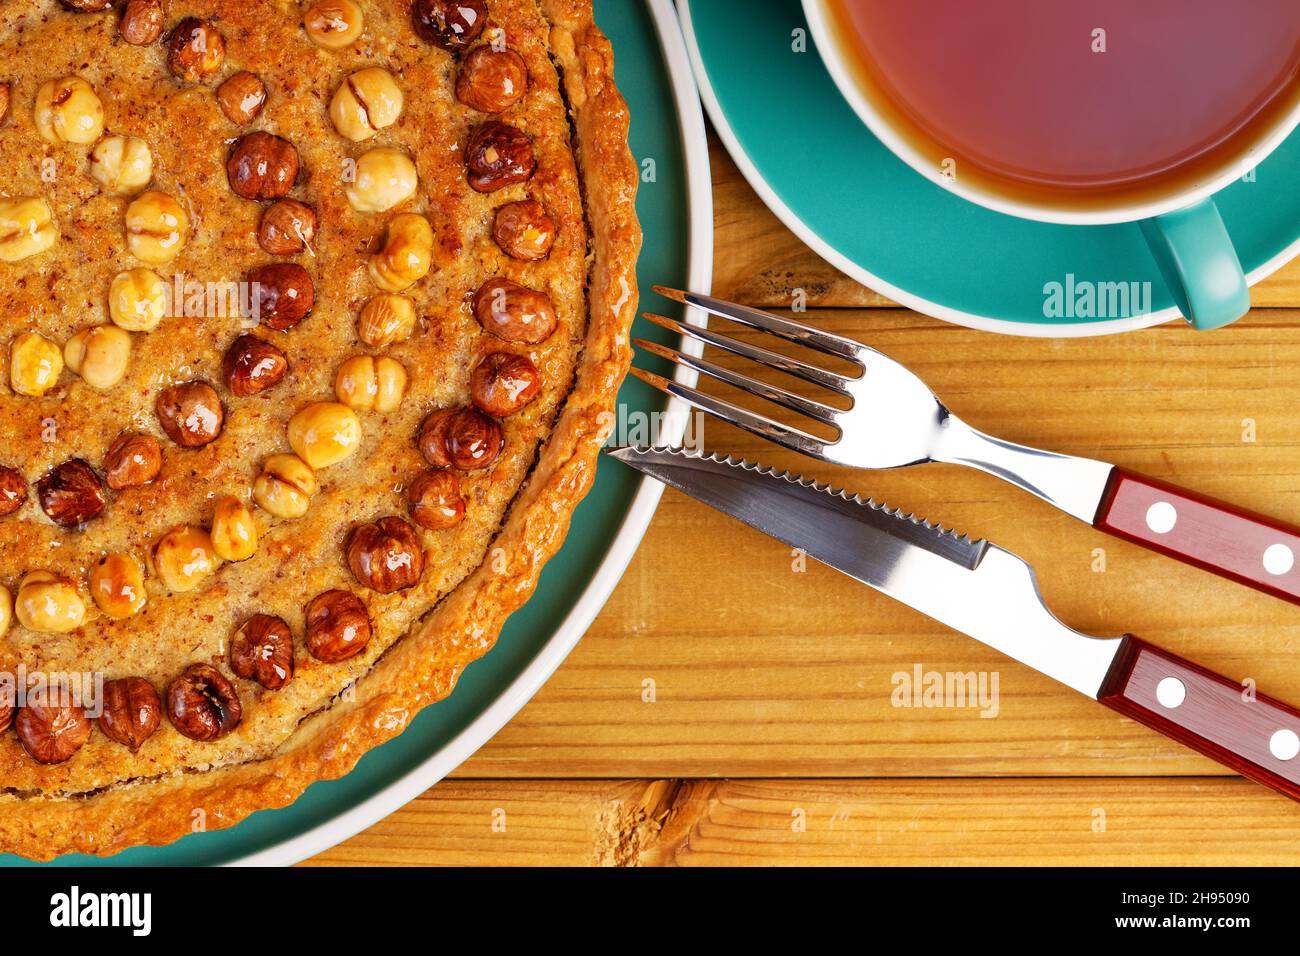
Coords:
6,620
262,166
99,354
137,300
386,319
86,6
285,486
367,383
333,24
338,626
234,531
183,557
491,80
262,650
50,728
202,704
27,228
132,460
69,111
514,312
497,155
242,97
131,711
384,178
5,96
451,24
142,21
252,365
503,383
34,364
524,230
385,555
434,499
432,437
157,227
283,294
48,604
406,255
324,434
190,413
123,165
13,491
287,228
196,50
461,438
117,585
366,102
71,494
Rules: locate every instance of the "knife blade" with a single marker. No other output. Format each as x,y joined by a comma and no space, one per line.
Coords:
990,594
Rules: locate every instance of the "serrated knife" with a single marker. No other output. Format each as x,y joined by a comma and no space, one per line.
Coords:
988,593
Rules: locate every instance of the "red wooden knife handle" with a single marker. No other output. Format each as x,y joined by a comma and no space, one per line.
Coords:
1246,547
1255,735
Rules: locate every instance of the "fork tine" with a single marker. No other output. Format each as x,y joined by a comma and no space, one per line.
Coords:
791,366
787,329
779,396
791,438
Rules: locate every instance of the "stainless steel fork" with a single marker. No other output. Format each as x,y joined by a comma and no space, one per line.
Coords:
894,420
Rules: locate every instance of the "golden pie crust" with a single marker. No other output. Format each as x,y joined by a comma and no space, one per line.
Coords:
105,798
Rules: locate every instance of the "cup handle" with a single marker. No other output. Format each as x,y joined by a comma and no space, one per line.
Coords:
1199,264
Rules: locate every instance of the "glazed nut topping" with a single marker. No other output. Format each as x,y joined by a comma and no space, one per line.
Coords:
284,292
142,21
262,166
99,354
190,413
117,585
48,604
234,530
462,438
26,228
434,499
50,730
386,319
385,556
202,704
497,155
183,558
5,96
71,494
514,312
6,621
253,365
524,230
13,491
262,650
406,254
69,111
503,383
196,50
338,626
137,300
324,434
287,228
367,101
131,711
366,383
333,24
451,24
384,178
491,81
35,364
157,227
132,460
123,165
285,486
242,97
86,6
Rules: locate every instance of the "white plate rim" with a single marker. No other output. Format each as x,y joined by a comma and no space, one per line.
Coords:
699,277
904,298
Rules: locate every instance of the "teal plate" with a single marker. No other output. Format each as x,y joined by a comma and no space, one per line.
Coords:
814,163
605,530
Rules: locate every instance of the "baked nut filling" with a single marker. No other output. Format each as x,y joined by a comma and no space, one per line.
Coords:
334,24
6,620
123,165
366,102
69,111
86,6
6,95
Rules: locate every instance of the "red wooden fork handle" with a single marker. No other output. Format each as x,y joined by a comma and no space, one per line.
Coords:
1246,547
1255,735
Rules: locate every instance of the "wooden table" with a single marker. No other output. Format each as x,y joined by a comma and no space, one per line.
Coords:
770,736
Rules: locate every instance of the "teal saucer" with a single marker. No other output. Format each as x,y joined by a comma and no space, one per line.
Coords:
805,152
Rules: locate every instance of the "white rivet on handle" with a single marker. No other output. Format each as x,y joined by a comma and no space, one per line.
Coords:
1278,559
1161,517
1170,692
1284,744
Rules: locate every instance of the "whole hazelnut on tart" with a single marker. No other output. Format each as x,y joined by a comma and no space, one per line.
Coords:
462,438
498,155
100,354
142,21
262,650
385,178
157,227
367,383
514,312
13,491
503,383
241,97
434,499
385,555
183,558
284,294
71,494
48,604
68,110
324,433
385,319
524,230
117,585
285,486
252,365
86,6
7,704
50,728
35,364
234,530
132,460
262,166
451,24
131,712
333,24
190,413
196,50
27,227
406,254
287,228
491,80
366,102
137,300
6,94
432,437
202,704
338,626
123,165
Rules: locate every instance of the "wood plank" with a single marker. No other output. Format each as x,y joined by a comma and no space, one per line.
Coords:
1161,822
